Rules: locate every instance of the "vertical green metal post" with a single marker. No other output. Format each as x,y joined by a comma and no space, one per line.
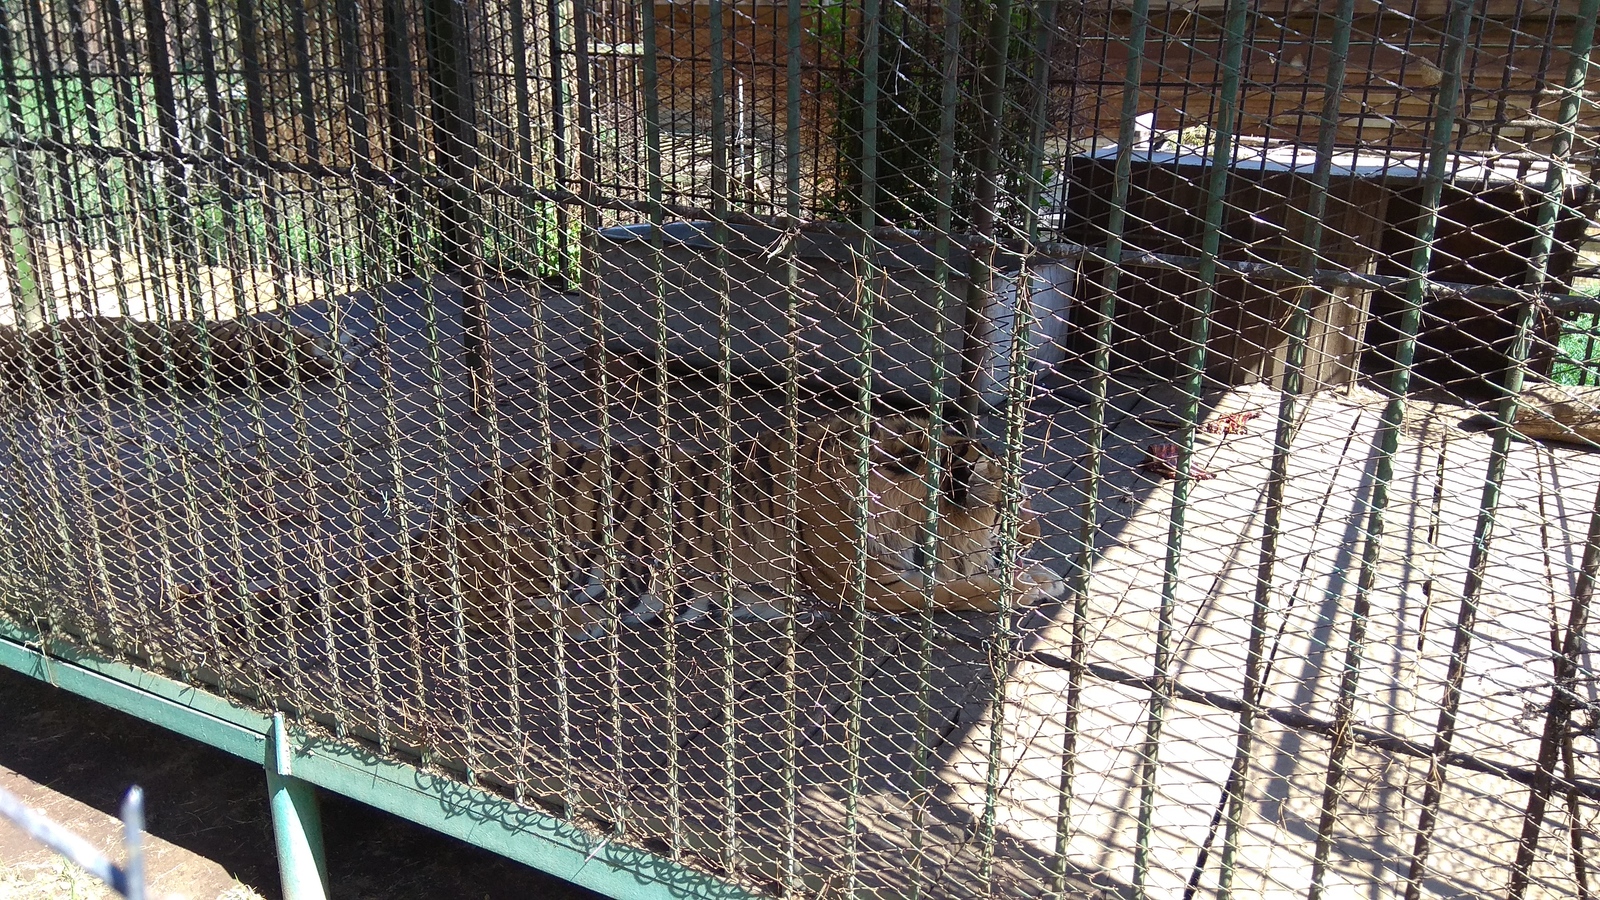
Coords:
864,251
980,271
558,138
790,829
1043,49
296,822
571,801
974,350
1488,505
1440,141
61,125
1221,163
589,263
178,217
455,136
588,152
353,67
28,215
96,131
1110,260
141,240
1563,698
1277,481
304,247
665,490
226,185
20,246
560,169
275,220
522,18
724,479
1558,713
62,198
222,247
63,206
1008,547
403,149
440,429
944,213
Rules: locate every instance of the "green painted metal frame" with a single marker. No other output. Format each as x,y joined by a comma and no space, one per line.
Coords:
1231,810
296,820
1199,340
1549,211
436,801
1375,530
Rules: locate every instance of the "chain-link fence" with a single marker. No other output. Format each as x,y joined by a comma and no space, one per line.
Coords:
883,448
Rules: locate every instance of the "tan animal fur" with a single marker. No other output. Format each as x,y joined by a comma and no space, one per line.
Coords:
530,543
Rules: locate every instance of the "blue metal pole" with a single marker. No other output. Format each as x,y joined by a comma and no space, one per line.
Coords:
77,850
296,824
133,844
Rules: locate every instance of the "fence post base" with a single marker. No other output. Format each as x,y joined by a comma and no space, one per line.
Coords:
296,823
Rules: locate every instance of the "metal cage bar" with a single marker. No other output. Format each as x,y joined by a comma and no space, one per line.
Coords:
743,431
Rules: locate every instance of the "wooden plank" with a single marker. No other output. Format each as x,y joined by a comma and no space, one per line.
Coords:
1391,75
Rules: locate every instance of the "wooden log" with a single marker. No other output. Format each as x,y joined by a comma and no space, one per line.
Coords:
1555,412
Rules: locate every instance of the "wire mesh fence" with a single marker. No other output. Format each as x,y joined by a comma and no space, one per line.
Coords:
895,447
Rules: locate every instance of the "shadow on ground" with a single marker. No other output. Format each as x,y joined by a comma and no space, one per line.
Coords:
214,805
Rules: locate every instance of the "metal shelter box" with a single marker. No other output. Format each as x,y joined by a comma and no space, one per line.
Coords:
1261,224
1485,233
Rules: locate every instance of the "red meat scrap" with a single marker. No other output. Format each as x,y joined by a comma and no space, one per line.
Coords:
1162,460
1232,423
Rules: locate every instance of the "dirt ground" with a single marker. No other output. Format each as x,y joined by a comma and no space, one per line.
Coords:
210,832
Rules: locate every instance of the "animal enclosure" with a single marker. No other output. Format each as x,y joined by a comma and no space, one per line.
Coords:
1000,448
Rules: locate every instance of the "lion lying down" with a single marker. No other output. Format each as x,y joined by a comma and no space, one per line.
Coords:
531,546
79,353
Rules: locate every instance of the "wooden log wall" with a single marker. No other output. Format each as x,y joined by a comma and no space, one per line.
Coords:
1515,59
755,55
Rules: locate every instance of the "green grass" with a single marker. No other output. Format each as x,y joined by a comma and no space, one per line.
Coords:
314,229
1578,348
1578,356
